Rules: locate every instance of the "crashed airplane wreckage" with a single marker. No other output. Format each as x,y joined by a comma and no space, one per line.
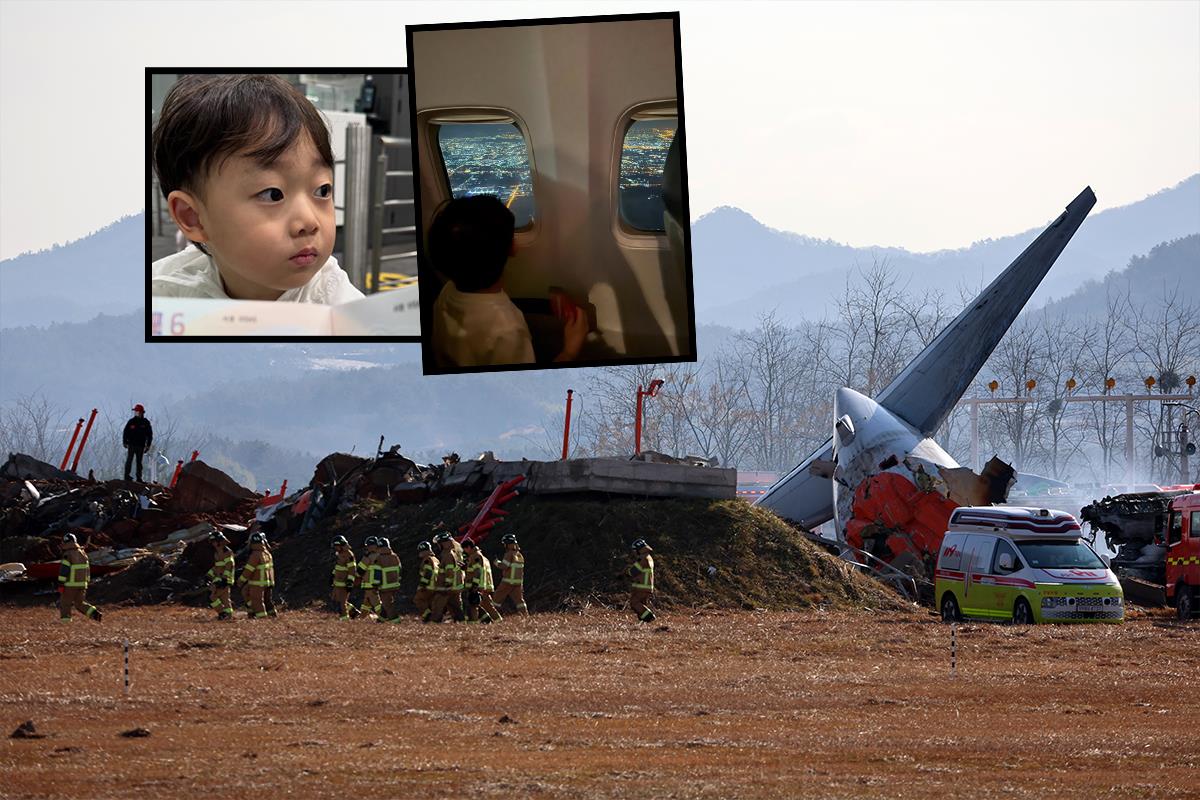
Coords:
888,487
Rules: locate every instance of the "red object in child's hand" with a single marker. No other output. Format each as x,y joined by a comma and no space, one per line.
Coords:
562,305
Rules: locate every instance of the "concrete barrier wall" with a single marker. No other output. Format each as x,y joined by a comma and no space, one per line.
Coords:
604,475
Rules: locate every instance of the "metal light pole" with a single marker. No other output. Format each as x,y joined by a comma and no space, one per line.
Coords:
567,424
655,385
1186,446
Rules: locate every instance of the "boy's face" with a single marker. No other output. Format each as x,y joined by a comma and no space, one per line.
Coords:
269,229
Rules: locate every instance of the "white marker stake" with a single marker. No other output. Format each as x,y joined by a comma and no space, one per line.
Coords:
953,649
126,667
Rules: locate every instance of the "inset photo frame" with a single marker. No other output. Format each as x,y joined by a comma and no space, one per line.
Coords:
280,206
551,193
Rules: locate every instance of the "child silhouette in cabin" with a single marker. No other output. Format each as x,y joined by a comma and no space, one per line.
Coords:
246,167
474,321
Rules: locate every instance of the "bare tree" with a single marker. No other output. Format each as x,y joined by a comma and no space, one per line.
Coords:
1105,348
33,425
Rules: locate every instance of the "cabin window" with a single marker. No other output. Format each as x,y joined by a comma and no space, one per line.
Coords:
489,158
643,161
1194,526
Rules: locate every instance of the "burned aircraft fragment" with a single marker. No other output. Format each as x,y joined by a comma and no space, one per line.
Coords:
881,477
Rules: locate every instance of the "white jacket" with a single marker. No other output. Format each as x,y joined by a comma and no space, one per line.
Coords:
191,273
472,329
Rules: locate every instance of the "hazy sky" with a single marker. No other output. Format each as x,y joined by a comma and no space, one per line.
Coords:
923,125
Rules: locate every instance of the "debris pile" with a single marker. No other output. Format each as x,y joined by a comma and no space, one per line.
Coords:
136,532
575,521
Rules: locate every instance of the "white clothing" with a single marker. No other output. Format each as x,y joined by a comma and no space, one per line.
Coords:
191,273
474,329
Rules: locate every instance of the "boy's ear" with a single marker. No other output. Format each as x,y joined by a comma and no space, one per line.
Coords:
185,210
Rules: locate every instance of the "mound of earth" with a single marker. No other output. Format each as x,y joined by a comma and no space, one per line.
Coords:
714,553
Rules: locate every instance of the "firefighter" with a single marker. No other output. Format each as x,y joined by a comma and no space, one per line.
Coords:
342,581
257,575
269,589
479,585
642,573
220,577
427,579
389,580
450,579
74,572
368,580
511,566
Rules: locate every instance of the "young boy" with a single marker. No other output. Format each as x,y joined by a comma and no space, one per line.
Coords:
474,321
246,167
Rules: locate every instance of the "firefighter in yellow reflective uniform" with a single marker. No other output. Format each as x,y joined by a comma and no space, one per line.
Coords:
368,579
427,581
269,589
220,577
479,585
450,579
257,575
344,569
511,567
389,580
74,572
642,573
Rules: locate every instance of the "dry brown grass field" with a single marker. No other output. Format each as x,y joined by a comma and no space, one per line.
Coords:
709,704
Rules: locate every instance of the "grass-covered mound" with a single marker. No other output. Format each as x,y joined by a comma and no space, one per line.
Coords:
577,550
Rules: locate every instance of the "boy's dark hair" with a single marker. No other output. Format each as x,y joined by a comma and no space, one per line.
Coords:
470,240
205,119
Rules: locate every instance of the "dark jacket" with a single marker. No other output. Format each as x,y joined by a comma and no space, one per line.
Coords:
138,433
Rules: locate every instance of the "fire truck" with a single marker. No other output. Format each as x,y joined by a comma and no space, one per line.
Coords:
1156,538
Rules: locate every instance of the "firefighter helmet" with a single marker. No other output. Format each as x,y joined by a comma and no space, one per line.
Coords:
217,536
641,544
424,547
371,541
340,542
384,542
70,538
508,538
438,538
258,538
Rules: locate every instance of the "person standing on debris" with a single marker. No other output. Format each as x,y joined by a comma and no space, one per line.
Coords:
389,580
512,576
137,438
257,575
479,585
342,581
220,577
427,581
368,580
74,572
642,573
450,579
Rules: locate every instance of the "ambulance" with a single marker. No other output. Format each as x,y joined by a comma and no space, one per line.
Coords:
1024,565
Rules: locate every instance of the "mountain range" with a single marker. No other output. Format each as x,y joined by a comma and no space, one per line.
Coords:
742,268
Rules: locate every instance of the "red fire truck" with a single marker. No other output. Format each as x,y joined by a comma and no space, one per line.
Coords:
1182,540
